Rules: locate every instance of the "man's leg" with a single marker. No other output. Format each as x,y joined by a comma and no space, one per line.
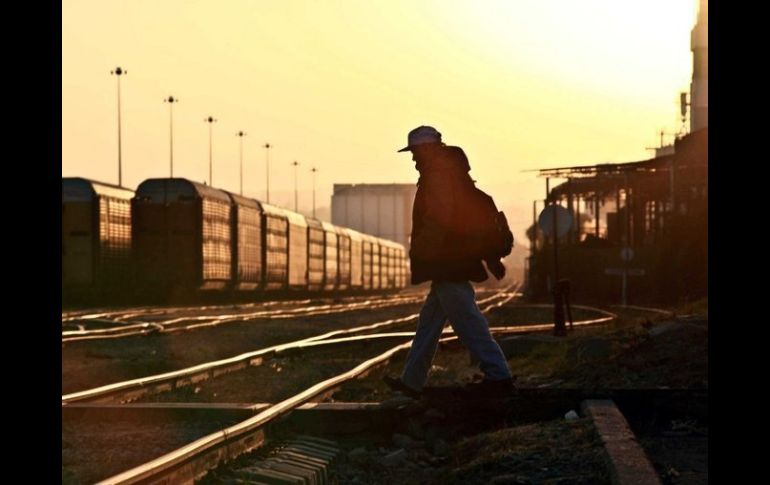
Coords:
429,327
458,301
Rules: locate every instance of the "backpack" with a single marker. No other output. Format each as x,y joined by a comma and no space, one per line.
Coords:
485,229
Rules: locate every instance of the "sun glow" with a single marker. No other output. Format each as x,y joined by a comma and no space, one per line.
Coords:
520,84
602,45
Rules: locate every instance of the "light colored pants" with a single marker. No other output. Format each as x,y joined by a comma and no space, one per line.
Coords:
455,301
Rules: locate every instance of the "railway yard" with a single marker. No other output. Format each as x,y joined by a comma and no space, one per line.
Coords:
213,333
292,392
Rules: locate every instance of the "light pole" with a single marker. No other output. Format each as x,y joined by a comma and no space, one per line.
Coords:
210,120
171,100
296,163
119,72
314,170
267,170
240,135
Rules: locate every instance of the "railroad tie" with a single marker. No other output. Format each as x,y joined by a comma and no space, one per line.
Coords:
301,460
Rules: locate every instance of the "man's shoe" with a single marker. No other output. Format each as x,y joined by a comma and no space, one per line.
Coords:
397,384
486,388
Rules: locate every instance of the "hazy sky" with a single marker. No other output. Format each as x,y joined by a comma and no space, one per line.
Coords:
337,84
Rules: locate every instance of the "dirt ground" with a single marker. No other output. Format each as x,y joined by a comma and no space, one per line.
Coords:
639,351
554,452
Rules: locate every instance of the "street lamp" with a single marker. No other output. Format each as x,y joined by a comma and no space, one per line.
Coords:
267,169
240,135
314,170
210,120
296,163
171,100
119,72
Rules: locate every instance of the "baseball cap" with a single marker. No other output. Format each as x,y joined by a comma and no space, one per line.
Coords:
422,135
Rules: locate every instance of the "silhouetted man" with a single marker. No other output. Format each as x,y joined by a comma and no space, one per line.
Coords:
437,254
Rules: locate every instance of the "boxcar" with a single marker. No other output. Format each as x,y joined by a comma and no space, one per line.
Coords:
388,259
401,267
298,251
182,236
372,246
246,238
343,258
286,249
275,241
315,254
96,236
366,261
356,259
331,257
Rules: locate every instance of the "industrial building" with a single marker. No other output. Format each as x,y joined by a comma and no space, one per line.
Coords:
383,210
640,229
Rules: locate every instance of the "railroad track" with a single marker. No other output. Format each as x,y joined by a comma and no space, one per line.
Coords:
160,311
133,389
191,461
185,463
126,324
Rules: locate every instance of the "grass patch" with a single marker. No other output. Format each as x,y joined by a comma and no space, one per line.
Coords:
557,451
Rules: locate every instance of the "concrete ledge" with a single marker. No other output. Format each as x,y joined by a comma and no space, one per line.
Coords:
627,461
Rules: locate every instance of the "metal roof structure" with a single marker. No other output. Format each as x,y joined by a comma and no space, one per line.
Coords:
240,200
689,160
293,217
689,151
79,189
604,169
163,189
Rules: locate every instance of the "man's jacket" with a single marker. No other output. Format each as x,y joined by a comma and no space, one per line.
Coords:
436,251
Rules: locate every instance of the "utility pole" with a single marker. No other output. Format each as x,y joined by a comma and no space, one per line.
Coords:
295,163
267,170
210,120
314,170
171,100
240,135
119,72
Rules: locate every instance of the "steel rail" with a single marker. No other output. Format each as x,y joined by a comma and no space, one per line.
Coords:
165,326
135,388
152,310
193,460
646,309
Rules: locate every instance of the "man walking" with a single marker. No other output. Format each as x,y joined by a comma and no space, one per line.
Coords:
437,254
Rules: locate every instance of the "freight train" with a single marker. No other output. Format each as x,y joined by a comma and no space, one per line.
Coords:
175,240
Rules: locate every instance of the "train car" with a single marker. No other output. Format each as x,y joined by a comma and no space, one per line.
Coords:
366,261
344,258
182,237
384,261
298,251
174,238
388,261
275,241
286,249
331,257
402,266
356,259
315,254
375,262
246,238
96,237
